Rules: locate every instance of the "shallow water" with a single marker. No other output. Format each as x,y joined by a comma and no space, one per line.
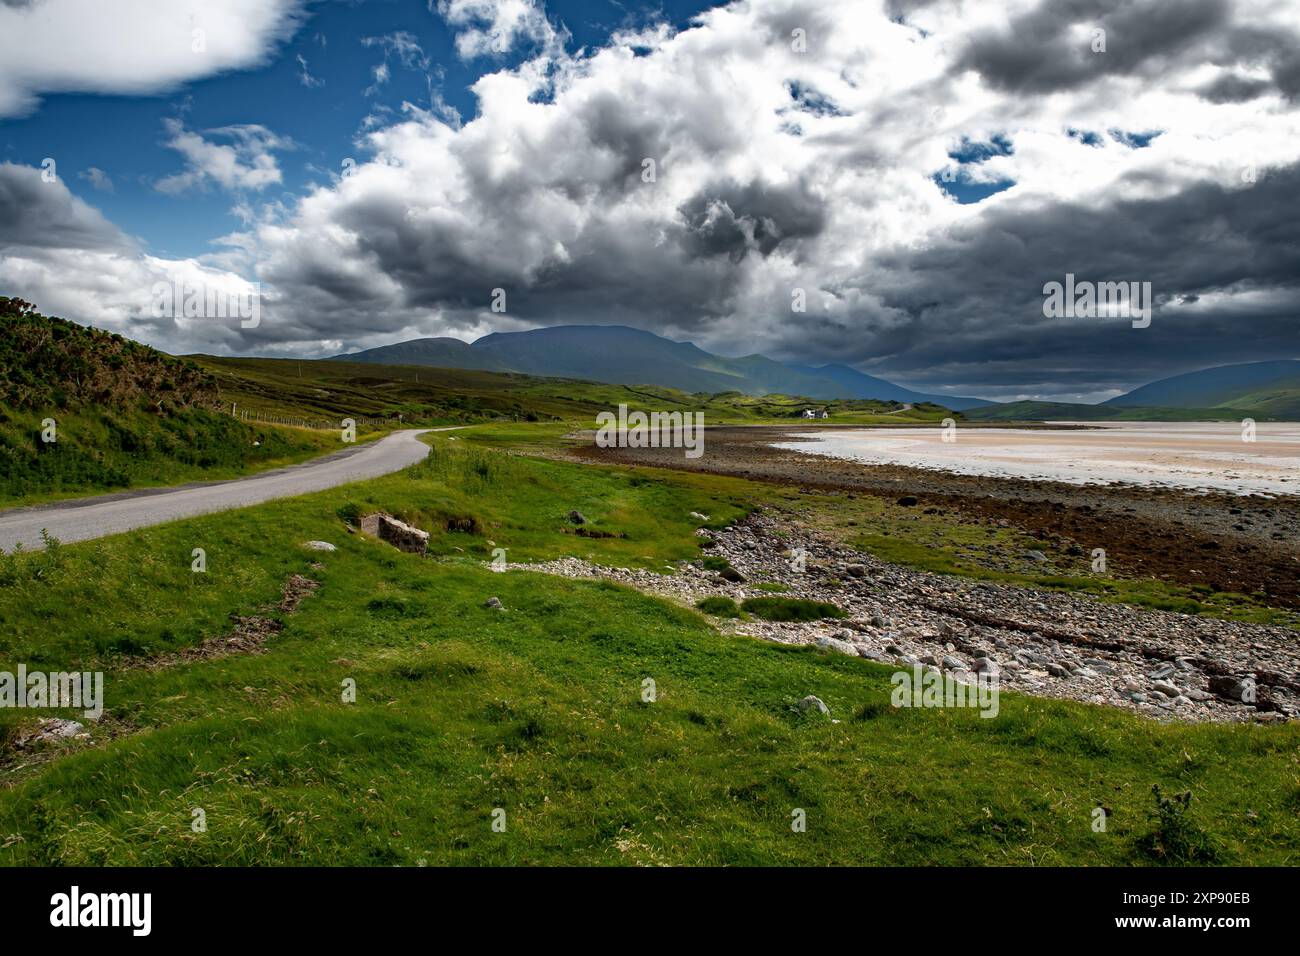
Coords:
1196,455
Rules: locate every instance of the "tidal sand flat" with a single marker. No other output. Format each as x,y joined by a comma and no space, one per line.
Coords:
1199,456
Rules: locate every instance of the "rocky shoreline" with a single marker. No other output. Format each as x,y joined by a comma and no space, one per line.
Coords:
1160,664
1230,543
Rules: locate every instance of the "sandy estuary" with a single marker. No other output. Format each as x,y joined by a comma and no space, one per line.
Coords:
1198,456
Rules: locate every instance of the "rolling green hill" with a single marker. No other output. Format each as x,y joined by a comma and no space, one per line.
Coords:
1266,391
1251,385
1280,402
328,390
84,411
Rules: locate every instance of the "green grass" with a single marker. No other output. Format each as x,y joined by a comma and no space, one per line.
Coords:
100,451
790,609
422,395
718,606
538,710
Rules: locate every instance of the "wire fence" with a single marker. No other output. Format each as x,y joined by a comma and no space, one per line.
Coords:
322,424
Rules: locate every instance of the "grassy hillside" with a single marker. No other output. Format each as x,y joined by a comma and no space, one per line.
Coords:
330,389
1248,385
1265,391
111,450
1277,403
537,711
51,364
84,411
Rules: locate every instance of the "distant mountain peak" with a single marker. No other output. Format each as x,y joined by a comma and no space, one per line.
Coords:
623,355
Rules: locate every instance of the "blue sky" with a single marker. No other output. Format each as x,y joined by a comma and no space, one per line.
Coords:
124,136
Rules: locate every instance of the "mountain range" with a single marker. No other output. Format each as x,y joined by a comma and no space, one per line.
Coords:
1262,390
625,356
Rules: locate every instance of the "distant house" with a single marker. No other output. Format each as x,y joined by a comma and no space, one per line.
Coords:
816,413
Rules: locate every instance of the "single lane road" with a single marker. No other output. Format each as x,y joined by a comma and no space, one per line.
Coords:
82,519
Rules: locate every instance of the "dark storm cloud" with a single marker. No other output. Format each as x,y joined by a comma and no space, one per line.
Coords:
1234,89
1038,52
975,300
732,219
38,214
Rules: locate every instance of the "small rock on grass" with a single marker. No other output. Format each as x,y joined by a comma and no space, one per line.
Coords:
51,728
577,517
318,546
494,603
813,703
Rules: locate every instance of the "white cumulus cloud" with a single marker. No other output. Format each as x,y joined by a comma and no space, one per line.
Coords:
131,46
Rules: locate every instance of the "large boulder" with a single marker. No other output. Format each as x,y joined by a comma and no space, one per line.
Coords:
835,644
1238,689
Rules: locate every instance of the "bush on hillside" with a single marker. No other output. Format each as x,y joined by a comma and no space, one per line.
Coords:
48,364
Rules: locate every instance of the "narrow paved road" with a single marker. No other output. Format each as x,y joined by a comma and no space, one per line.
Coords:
85,518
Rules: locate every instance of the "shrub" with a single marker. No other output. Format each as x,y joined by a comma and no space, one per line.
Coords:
462,524
1177,838
719,606
790,609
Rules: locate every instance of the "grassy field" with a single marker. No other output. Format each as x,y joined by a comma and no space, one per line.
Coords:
464,713
323,389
